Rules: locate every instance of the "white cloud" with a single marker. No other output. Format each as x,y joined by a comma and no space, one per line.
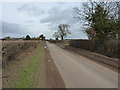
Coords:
31,10
12,29
59,15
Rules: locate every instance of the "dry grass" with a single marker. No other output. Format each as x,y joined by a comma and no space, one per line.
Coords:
12,49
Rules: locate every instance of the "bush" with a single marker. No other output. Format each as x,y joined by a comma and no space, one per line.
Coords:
28,37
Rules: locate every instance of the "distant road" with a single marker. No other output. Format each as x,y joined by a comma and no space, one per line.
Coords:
79,72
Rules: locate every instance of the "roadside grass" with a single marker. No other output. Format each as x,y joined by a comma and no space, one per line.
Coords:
27,74
65,43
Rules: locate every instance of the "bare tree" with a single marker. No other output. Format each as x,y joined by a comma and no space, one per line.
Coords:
100,19
56,35
86,13
63,30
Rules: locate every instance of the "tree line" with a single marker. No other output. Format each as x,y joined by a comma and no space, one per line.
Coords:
41,37
27,37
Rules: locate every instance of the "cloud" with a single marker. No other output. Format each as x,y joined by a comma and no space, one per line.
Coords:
31,10
59,15
29,21
12,29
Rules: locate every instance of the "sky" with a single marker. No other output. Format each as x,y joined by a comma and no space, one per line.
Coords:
35,18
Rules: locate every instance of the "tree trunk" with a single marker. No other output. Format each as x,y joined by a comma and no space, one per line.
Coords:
56,38
61,37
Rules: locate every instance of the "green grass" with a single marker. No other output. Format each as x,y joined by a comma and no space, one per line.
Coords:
65,43
27,74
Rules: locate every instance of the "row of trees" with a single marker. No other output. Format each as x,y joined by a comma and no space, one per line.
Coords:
28,37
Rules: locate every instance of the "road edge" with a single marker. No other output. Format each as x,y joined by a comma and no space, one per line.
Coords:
53,77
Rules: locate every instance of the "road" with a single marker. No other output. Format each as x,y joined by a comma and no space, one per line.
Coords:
79,72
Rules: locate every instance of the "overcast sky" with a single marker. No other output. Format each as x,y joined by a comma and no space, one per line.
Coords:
35,18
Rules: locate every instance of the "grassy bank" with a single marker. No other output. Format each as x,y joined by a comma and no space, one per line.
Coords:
27,73
12,49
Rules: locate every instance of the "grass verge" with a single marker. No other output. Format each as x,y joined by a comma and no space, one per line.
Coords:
27,74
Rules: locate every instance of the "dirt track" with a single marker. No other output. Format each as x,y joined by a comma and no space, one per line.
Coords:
79,72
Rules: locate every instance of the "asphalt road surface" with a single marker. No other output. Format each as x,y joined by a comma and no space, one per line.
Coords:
79,72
